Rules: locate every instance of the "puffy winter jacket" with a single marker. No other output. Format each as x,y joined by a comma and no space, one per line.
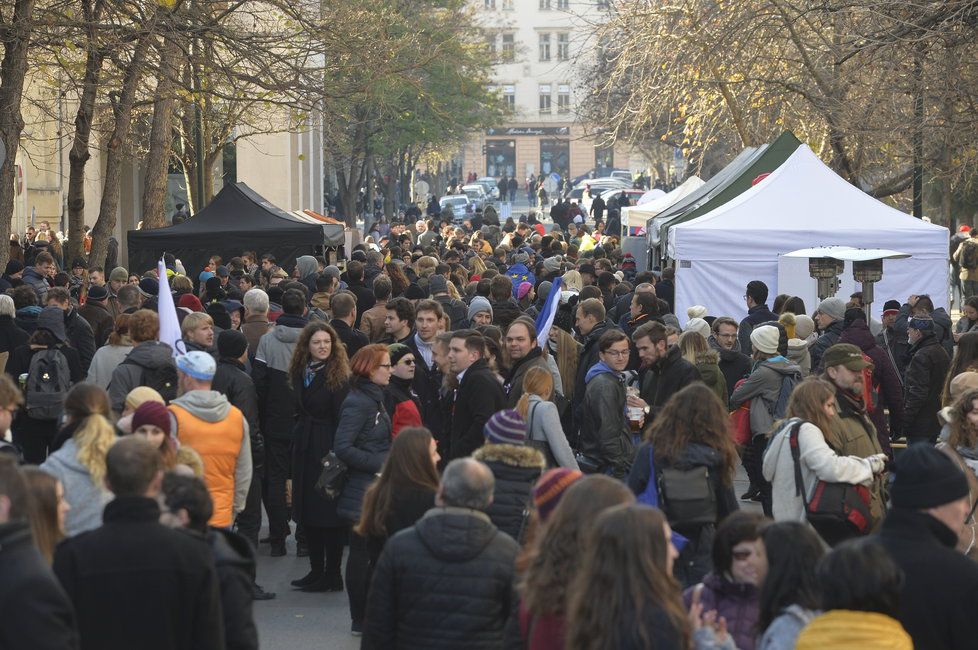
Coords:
762,388
363,438
234,383
929,365
737,602
276,400
126,376
447,582
234,559
605,434
516,469
828,338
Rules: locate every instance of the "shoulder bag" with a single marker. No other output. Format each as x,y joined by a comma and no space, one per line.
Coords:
543,446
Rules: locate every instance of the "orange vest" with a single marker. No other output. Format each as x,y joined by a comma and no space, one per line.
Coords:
218,444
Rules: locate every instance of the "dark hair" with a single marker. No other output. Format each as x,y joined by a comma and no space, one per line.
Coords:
403,307
342,304
354,270
794,305
43,489
399,281
779,302
592,307
474,341
722,320
860,575
408,467
429,305
793,551
758,291
740,526
293,303
325,282
590,292
924,304
694,415
501,288
86,399
188,493
655,332
647,302
530,326
131,464
965,357
609,338
24,296
59,295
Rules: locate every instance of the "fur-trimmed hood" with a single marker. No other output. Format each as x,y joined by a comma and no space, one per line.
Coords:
708,356
515,455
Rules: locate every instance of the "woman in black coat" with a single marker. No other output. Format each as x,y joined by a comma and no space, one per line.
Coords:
34,435
318,374
363,439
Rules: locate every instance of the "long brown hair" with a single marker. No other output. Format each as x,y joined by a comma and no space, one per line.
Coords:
337,364
537,381
44,510
962,433
694,414
408,465
624,576
965,359
808,401
556,554
399,280
120,331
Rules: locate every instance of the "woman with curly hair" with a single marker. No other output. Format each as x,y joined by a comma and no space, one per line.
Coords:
690,433
80,463
319,375
399,281
556,556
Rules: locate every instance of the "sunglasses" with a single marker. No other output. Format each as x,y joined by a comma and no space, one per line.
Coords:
407,362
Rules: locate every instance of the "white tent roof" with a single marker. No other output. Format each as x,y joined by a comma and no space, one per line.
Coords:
637,216
801,204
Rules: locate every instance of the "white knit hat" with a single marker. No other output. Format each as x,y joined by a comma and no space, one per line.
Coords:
765,339
698,325
804,326
696,311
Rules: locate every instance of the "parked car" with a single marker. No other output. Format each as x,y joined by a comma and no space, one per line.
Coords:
592,174
477,195
598,186
490,185
460,205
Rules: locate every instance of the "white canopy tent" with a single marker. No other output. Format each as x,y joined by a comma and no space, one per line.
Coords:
637,216
801,204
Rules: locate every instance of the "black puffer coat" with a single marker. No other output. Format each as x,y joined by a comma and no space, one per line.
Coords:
363,438
233,382
516,469
734,364
234,559
922,388
314,437
445,583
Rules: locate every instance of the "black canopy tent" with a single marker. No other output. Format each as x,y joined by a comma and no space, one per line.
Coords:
237,220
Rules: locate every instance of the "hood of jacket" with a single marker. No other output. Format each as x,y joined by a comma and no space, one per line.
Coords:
151,354
289,330
230,549
858,334
515,455
206,405
708,357
797,348
725,354
698,455
599,368
31,312
455,534
65,460
781,365
307,265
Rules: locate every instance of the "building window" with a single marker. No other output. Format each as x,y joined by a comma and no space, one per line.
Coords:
545,5
509,47
604,160
491,45
509,97
563,98
490,4
563,47
563,4
507,5
545,99
544,47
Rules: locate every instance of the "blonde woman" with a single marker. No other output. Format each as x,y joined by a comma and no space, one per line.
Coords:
80,463
544,430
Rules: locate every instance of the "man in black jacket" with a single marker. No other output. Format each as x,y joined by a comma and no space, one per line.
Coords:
478,396
606,437
664,371
187,504
924,382
929,503
343,304
447,582
364,294
734,364
37,614
80,334
134,582
427,380
757,313
524,353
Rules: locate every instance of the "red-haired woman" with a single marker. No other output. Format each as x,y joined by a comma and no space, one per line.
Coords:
363,439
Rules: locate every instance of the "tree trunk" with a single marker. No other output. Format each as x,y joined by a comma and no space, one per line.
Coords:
122,111
79,155
161,136
13,70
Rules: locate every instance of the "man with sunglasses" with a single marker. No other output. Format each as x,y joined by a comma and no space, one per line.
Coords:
399,398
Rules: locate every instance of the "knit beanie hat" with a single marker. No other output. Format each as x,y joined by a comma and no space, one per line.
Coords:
96,292
852,315
479,304
231,344
543,291
804,326
437,284
505,427
922,324
926,477
397,352
152,413
149,287
766,338
140,395
962,383
552,264
833,307
119,274
522,290
15,266
191,302
550,489
698,325
891,305
696,311
414,292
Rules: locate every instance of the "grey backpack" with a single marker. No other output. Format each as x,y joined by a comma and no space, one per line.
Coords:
48,381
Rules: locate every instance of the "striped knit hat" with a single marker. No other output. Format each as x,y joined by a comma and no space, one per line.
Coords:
505,427
551,487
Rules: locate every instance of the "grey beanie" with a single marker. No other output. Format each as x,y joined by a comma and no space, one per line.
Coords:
833,307
479,304
543,291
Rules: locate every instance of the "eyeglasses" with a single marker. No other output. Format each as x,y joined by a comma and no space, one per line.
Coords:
407,362
618,354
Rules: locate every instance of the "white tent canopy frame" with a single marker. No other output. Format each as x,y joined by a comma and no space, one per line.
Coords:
637,216
801,204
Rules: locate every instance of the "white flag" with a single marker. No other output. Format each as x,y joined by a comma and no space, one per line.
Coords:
169,324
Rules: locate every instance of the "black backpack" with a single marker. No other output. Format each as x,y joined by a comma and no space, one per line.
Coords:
162,379
969,256
48,381
687,496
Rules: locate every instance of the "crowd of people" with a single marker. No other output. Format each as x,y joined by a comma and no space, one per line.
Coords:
507,435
